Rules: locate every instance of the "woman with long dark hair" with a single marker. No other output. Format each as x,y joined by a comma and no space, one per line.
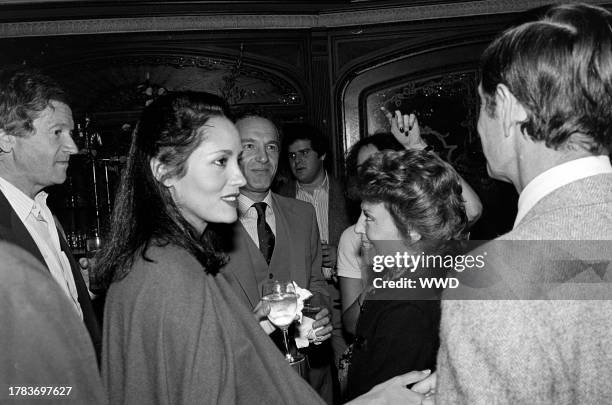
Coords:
174,332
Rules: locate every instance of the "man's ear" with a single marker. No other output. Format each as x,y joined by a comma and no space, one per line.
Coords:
512,112
7,142
159,171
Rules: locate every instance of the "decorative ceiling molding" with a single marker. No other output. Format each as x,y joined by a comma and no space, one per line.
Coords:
126,81
286,21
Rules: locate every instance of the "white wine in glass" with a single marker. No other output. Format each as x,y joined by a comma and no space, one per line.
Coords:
281,297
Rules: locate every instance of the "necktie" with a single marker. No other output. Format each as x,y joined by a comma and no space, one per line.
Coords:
264,232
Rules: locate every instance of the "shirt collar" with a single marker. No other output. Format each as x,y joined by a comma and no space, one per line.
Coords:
245,205
21,203
559,176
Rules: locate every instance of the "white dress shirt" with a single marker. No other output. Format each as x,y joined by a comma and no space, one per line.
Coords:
248,215
38,220
559,176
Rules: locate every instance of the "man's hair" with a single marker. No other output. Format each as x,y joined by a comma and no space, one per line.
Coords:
381,141
258,113
24,94
421,192
299,131
560,69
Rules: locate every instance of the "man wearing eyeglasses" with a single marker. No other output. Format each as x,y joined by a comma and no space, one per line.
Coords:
306,149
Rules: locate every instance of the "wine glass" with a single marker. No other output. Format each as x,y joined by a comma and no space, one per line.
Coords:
281,298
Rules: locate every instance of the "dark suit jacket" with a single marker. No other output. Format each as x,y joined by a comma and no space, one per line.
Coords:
14,231
297,250
337,213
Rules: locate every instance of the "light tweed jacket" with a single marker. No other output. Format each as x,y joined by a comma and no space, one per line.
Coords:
536,351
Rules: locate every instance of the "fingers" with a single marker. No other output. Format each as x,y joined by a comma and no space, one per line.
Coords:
324,322
411,377
322,314
261,310
402,121
414,123
409,120
429,400
321,321
321,339
321,333
387,113
426,386
394,121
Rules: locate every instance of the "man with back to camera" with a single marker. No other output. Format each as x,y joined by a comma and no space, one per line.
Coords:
276,237
546,126
35,147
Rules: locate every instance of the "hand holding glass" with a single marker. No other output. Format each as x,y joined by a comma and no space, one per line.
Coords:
281,298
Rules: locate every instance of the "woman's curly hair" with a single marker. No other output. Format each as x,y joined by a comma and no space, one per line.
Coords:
421,192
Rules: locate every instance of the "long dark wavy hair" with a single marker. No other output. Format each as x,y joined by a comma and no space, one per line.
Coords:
145,213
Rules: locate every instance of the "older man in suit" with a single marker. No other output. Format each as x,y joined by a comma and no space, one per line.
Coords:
546,126
35,147
276,237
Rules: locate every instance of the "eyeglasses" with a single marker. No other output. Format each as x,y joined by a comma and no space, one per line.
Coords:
303,154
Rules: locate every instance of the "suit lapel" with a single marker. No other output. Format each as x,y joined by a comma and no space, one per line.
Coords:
282,255
14,231
337,212
331,210
246,260
89,316
292,239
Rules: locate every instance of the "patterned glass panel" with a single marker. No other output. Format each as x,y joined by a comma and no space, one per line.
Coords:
447,110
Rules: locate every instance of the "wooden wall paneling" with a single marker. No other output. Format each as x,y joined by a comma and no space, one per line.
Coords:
102,72
105,75
357,51
374,59
321,97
